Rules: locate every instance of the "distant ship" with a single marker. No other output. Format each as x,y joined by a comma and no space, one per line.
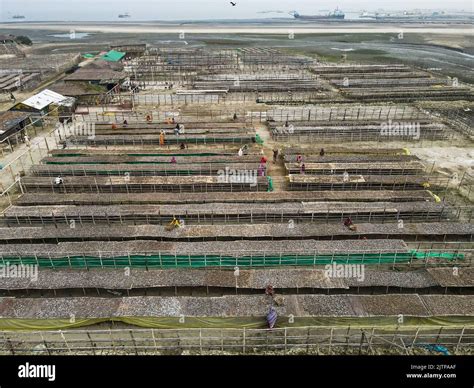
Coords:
18,17
408,16
399,16
124,15
336,15
367,15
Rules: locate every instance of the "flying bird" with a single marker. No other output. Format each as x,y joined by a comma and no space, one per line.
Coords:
233,4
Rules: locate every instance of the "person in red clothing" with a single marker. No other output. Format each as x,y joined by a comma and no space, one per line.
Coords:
348,222
269,290
263,160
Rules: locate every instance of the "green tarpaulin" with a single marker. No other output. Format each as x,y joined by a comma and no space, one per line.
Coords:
199,261
113,56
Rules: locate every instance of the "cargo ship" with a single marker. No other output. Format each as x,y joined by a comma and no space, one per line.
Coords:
124,15
18,17
337,14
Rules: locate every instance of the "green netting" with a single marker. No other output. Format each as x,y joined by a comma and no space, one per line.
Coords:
379,323
437,255
199,261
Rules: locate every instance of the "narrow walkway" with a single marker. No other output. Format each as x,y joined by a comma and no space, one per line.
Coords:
277,170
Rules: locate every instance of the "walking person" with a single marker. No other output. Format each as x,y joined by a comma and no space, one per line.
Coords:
275,155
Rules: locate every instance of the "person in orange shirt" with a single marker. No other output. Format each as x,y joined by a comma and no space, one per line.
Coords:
162,138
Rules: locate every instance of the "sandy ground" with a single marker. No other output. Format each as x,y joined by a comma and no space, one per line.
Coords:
242,29
448,160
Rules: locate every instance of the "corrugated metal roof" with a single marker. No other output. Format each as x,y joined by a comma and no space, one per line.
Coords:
10,119
95,74
45,98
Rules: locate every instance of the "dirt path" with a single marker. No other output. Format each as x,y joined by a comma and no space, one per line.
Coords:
277,170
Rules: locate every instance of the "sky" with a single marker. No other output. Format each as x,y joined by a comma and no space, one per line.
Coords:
96,10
